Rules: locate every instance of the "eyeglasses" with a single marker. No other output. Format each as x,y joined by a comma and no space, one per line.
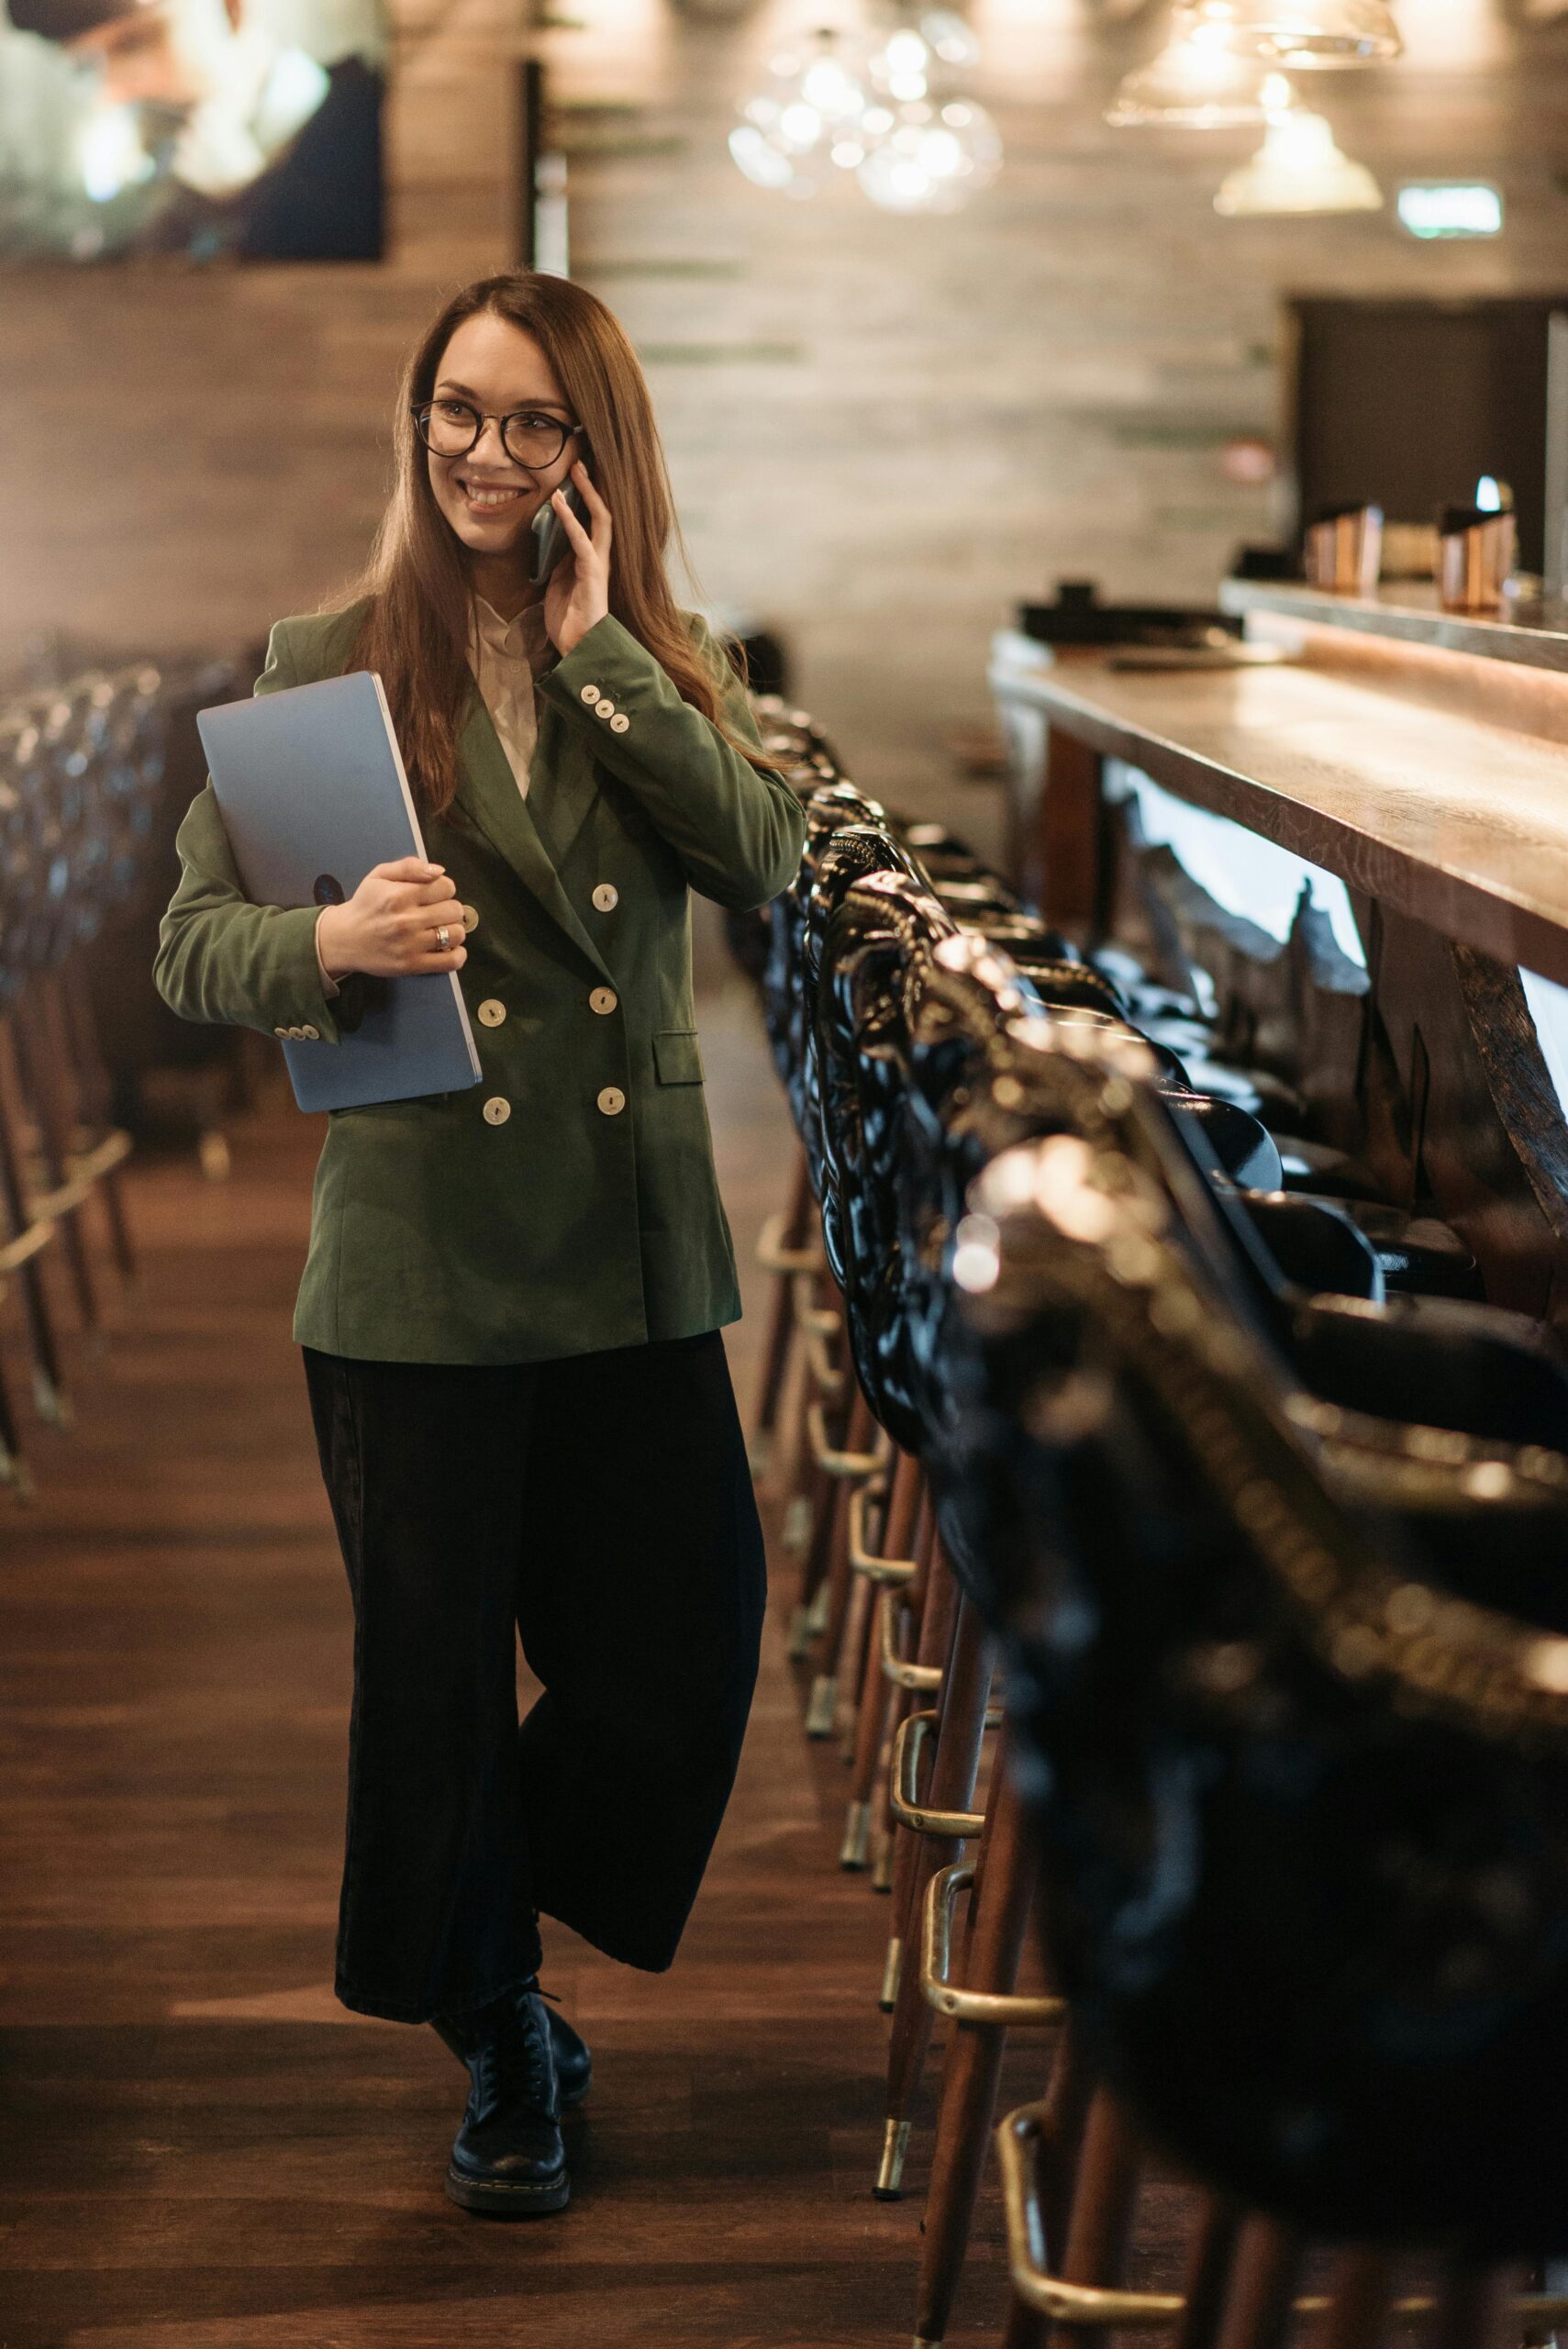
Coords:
531,436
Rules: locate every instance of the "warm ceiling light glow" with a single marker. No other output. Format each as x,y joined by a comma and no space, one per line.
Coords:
1441,209
1296,33
1298,168
933,159
1191,87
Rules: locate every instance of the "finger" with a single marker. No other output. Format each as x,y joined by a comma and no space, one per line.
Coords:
580,542
405,868
584,481
427,893
601,523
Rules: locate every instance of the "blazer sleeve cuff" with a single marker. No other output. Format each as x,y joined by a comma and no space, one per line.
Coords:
296,990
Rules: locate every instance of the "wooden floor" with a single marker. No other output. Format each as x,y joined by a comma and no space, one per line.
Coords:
198,2147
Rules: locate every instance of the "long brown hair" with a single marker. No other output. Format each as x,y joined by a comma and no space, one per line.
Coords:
416,628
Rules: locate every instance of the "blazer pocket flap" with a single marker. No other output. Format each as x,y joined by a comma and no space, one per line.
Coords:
677,1060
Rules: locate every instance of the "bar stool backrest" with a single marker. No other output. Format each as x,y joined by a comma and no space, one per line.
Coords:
1302,1799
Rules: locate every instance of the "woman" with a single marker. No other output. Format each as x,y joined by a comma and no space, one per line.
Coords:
511,1305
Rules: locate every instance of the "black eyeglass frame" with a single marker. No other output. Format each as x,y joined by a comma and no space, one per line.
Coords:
420,412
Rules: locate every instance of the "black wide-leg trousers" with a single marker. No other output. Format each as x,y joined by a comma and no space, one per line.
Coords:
601,1507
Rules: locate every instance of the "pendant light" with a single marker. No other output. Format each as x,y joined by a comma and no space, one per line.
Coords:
888,112
806,118
931,157
1299,169
1301,34
1191,87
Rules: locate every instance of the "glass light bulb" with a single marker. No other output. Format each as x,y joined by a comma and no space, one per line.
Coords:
932,161
905,52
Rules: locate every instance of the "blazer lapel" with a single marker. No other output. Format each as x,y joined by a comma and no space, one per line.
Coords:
488,790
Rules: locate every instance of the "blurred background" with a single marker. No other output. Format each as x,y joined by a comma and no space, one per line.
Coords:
886,428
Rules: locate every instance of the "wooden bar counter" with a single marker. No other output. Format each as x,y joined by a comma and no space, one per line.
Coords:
1427,776
1429,780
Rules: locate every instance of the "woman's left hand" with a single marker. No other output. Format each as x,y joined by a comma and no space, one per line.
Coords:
578,590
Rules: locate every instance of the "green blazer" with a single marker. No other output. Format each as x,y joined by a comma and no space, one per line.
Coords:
567,1203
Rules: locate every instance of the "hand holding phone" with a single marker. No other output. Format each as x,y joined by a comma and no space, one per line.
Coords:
578,597
550,533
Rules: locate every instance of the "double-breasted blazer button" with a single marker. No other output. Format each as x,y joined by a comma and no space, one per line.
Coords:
607,707
492,1013
311,1035
470,918
619,722
612,1100
590,693
606,898
496,1110
602,999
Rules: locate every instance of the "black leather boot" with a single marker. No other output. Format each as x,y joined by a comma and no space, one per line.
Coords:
574,2063
508,2159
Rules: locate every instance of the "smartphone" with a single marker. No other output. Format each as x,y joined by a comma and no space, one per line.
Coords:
551,541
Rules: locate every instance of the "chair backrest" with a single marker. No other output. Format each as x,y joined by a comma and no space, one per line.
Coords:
876,951
1302,1797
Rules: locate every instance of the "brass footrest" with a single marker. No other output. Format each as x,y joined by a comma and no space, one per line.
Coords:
1108,2311
1014,2007
27,1243
101,1157
895,1667
907,1806
864,1561
775,1255
63,1199
829,1458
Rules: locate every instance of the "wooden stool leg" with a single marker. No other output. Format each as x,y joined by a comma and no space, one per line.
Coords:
1472,2308
1359,2295
876,1694
13,1470
966,1689
43,1081
1208,2274
910,1620
857,1649
824,1400
49,1385
937,1616
1061,2123
1104,2194
822,1707
1263,2287
781,1322
78,1033
999,1907
1069,2094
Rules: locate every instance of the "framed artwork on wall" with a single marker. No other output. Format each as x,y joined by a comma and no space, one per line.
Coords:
211,130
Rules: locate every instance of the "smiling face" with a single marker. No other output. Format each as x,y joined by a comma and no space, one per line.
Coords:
487,496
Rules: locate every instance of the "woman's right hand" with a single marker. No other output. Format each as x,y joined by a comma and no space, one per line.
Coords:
387,929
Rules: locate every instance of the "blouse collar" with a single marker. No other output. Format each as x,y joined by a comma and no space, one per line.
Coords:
523,639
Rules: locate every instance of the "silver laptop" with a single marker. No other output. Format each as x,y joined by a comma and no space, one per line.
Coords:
312,791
